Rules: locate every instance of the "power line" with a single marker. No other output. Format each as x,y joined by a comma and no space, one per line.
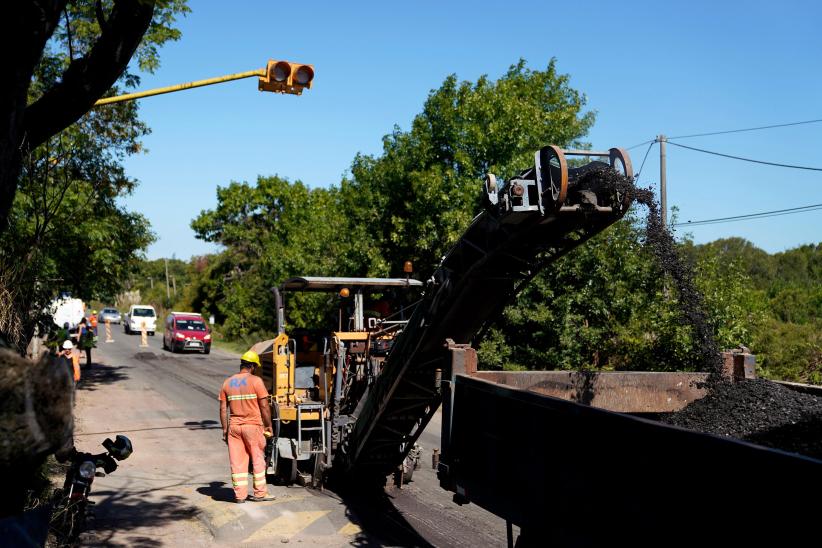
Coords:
746,159
640,144
751,216
639,173
746,129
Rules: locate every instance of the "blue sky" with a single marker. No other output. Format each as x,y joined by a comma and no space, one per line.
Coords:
646,68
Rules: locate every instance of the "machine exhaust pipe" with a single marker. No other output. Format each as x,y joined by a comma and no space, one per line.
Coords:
278,304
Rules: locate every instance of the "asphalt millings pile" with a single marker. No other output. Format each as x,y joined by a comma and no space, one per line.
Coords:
758,411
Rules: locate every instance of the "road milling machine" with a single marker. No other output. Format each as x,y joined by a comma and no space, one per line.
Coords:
356,400
318,378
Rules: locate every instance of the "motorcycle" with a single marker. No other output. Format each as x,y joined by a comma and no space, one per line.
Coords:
70,504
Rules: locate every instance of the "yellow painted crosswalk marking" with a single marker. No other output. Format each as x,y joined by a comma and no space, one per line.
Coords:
349,530
220,513
287,525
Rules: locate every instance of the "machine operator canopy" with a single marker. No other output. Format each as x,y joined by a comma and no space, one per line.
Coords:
331,284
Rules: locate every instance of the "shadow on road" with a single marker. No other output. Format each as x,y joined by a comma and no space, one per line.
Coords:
378,518
95,375
189,425
218,491
119,513
202,425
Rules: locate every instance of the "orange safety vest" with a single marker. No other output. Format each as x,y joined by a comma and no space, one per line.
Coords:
93,320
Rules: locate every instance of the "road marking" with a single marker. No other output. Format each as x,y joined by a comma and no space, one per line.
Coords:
220,513
349,530
287,525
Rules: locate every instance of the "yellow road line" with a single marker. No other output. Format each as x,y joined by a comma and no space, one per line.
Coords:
287,525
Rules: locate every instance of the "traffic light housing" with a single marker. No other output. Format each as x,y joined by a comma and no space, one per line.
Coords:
286,77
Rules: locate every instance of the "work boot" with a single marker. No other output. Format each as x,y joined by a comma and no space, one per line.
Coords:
239,501
252,498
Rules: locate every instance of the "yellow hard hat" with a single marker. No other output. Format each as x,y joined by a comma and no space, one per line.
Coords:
94,312
251,357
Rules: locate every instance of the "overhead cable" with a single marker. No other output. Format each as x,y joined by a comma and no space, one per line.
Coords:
640,144
746,159
639,173
752,216
746,129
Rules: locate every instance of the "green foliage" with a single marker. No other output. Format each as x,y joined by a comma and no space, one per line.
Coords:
784,304
273,230
79,29
607,306
790,351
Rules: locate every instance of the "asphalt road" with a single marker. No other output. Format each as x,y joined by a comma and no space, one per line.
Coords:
175,488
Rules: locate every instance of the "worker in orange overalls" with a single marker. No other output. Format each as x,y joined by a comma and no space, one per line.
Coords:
245,399
72,357
92,320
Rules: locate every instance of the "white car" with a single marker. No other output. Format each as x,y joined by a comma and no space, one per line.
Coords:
138,315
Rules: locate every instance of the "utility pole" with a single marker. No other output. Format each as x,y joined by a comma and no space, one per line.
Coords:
174,285
663,192
151,281
168,291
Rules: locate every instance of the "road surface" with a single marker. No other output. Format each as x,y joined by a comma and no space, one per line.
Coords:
174,489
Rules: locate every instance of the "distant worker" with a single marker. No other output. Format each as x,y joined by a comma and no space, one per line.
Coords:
69,359
245,399
85,339
92,321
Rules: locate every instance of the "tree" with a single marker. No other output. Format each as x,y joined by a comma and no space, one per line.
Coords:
66,228
100,39
273,230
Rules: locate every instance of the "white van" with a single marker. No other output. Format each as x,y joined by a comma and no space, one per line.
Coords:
137,315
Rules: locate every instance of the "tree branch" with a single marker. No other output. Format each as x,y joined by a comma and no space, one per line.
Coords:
68,34
89,77
101,17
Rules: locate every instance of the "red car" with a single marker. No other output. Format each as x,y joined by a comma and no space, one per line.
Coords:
186,331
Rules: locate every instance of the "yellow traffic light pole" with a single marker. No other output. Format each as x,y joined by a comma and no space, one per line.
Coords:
269,81
180,87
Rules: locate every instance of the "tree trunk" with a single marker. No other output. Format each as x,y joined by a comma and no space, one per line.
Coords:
24,29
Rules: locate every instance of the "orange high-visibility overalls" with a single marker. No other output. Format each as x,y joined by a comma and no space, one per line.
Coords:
243,393
75,364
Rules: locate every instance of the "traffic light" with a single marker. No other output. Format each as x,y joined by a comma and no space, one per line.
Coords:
285,77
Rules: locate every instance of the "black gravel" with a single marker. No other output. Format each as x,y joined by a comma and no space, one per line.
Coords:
758,411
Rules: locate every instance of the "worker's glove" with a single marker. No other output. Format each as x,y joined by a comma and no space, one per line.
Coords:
267,433
225,436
